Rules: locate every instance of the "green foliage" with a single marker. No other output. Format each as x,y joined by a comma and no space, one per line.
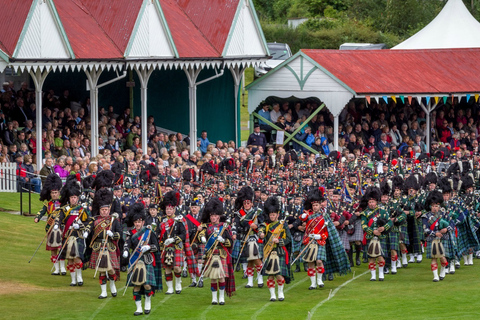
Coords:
317,7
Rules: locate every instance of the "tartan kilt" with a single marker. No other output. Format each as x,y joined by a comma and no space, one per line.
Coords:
345,239
113,259
150,278
322,253
415,235
393,241
177,259
450,246
466,239
404,235
223,261
157,268
237,245
190,259
358,234
337,259
383,244
80,246
200,251
420,230
297,246
284,267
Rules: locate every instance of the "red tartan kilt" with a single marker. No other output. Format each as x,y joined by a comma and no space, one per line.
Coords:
48,248
178,259
200,252
113,259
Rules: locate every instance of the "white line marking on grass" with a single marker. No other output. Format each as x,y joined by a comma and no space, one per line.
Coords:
104,304
332,294
255,315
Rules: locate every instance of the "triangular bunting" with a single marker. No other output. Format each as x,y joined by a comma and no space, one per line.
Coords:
368,99
444,99
403,99
476,97
409,100
428,100
468,97
436,99
394,99
385,98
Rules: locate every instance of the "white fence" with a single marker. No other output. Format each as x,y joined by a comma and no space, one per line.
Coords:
8,177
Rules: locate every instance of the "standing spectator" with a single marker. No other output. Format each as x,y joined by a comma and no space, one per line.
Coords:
204,142
31,178
257,138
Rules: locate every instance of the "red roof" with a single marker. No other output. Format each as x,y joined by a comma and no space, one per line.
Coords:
84,33
116,17
12,18
189,41
212,17
403,71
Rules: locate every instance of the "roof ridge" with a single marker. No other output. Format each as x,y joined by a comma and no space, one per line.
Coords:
85,9
201,32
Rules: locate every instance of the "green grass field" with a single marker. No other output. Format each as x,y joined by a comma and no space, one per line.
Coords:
28,291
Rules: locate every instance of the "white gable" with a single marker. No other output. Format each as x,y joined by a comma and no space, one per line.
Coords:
245,37
150,39
42,35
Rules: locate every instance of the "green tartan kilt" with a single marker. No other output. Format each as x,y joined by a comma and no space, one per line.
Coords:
420,231
150,278
284,267
394,240
448,246
296,247
383,244
466,239
322,253
404,235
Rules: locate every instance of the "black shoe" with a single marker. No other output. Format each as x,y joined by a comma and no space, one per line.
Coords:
380,279
435,280
273,300
193,284
373,279
178,291
73,284
237,268
114,294
64,273
123,268
146,311
281,299
297,269
55,274
365,260
260,285
214,303
350,258
184,274
248,286
386,271
358,262
244,276
200,283
321,285
441,278
138,313
312,288
221,303
80,284
330,277
102,297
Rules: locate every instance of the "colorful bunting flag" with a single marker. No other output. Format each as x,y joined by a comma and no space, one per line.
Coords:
403,99
394,99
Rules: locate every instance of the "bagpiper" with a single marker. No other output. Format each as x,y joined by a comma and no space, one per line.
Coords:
74,218
277,238
50,195
141,268
106,231
217,237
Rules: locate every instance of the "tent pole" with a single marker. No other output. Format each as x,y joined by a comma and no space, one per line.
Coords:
335,131
39,79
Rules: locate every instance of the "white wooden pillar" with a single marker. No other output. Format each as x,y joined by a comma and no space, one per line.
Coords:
92,77
39,79
237,73
192,75
335,131
144,75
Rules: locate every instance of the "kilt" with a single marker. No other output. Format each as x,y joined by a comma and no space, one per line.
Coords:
113,260
157,268
200,251
191,261
322,253
150,278
80,246
466,239
448,246
415,235
404,235
358,234
223,261
337,259
284,266
383,244
178,259
296,247
237,245
345,239
393,242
